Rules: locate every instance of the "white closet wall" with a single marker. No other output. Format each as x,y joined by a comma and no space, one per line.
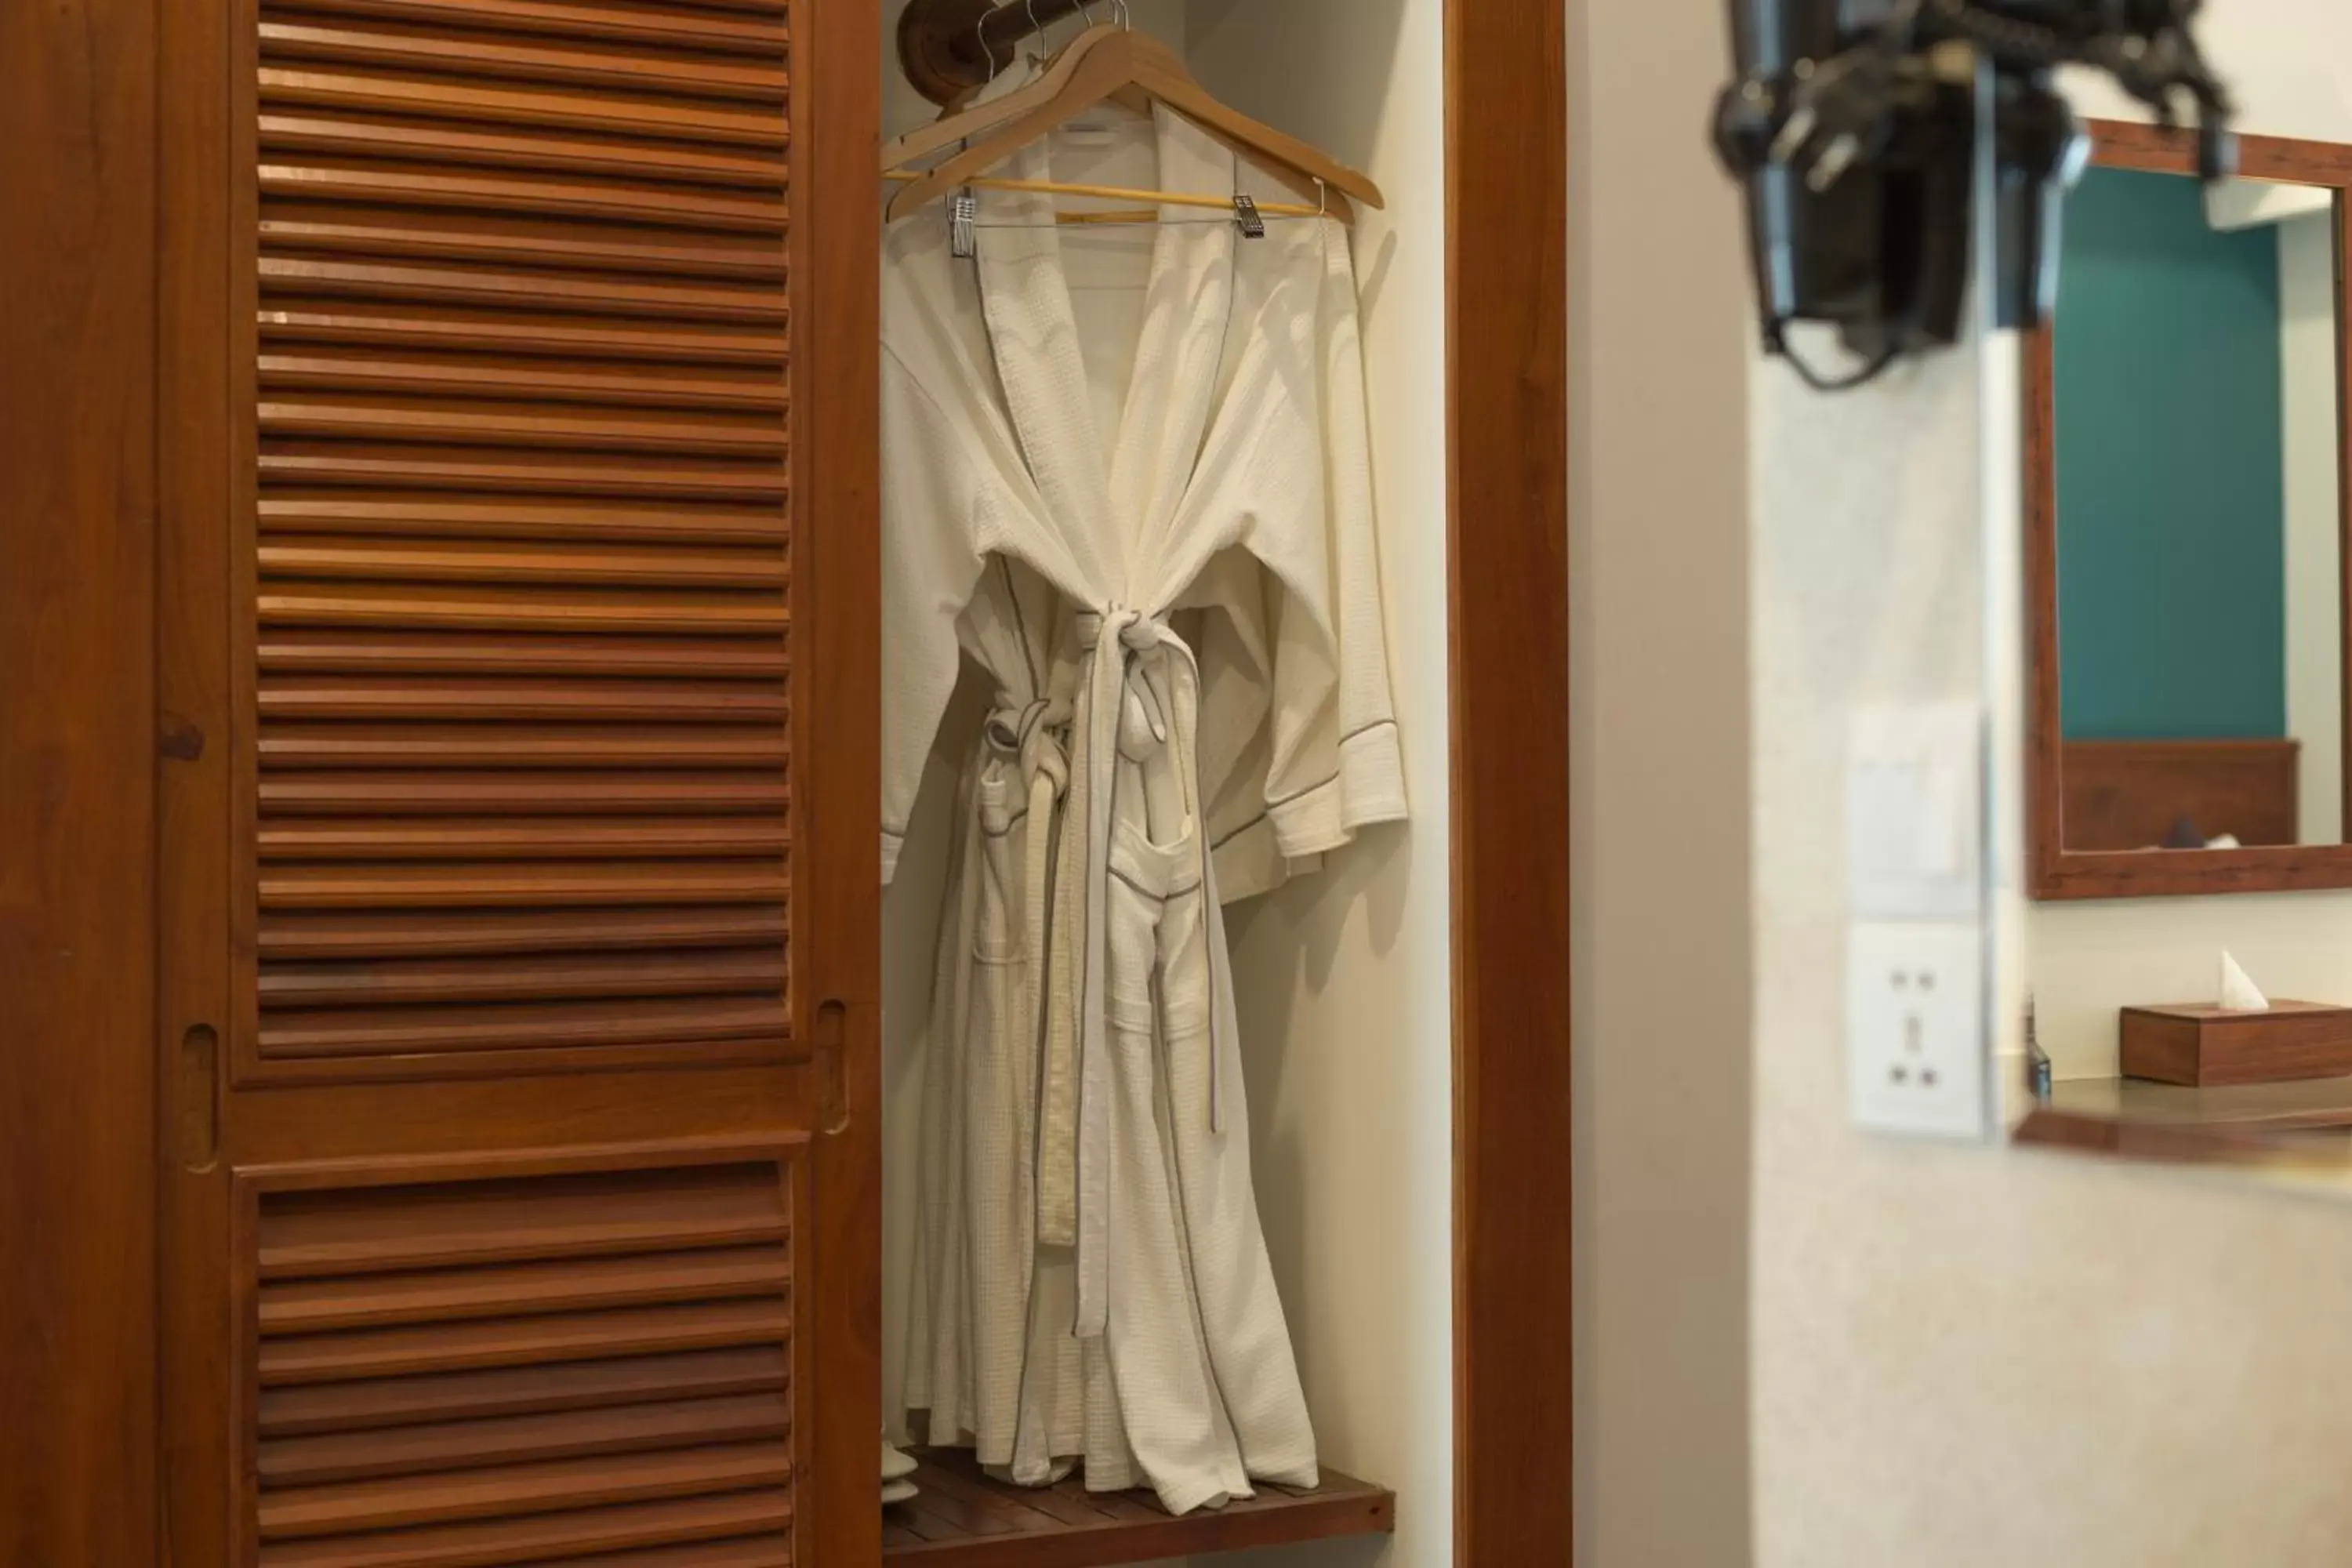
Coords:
1345,979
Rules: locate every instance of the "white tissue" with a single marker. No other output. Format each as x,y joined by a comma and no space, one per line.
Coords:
2240,994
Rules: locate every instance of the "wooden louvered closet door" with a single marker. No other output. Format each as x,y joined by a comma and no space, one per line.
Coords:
520,674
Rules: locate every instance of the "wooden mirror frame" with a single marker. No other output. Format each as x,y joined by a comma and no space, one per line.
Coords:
2058,873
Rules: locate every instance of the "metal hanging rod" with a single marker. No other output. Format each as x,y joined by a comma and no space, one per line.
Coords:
942,42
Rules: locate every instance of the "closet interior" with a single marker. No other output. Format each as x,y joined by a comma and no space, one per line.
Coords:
1341,973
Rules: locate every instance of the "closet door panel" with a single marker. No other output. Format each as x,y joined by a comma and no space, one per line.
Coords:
519,890
459,1360
521,786
78,596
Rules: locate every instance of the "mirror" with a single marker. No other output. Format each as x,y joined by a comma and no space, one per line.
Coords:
2186,506
2200,641
2186,582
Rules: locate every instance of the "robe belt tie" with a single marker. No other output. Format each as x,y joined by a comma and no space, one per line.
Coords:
1034,738
1123,712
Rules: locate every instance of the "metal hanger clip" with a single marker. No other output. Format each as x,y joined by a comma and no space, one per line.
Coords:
1245,213
964,225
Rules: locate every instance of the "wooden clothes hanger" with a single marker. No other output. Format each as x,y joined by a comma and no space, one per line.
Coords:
1108,62
963,121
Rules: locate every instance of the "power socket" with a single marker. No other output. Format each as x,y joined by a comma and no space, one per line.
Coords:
1914,1028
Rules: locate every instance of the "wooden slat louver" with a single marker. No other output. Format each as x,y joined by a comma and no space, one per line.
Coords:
520,555
526,1370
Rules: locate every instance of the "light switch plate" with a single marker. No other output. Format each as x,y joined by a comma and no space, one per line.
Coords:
1915,812
1914,1029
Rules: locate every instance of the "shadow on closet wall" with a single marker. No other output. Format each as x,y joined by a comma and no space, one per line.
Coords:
1344,979
1325,70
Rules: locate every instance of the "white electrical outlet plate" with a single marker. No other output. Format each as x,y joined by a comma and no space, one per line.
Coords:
1914,1028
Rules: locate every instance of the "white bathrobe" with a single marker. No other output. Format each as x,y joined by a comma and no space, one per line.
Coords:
1147,519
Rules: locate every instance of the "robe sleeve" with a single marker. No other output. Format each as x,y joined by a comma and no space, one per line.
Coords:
928,570
1337,764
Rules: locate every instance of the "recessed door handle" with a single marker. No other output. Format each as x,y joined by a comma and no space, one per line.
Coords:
832,1033
197,1113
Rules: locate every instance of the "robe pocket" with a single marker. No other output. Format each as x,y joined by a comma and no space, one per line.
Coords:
1185,973
1154,886
1000,932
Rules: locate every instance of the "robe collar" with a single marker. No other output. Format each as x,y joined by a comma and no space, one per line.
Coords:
1109,494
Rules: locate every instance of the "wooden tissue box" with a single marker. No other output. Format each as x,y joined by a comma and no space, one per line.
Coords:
2204,1046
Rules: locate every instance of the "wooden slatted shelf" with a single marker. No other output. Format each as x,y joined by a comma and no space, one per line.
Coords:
963,1520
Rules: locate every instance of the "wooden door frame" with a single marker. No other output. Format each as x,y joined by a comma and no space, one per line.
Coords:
836,314
79,507
1506,346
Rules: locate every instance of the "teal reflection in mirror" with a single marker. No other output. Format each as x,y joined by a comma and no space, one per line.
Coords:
2198,538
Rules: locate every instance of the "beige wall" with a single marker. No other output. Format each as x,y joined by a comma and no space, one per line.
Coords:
1975,1356
1659,716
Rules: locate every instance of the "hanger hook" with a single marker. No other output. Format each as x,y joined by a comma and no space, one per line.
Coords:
1126,16
980,31
1044,30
